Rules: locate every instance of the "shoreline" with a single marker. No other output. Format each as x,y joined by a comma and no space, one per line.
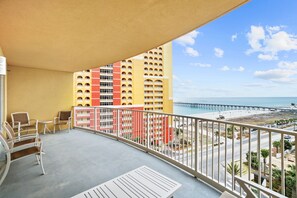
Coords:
230,114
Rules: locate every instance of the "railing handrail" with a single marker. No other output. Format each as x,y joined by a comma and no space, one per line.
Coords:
190,144
273,130
267,191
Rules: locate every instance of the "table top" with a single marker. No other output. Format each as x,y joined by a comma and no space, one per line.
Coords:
45,121
142,181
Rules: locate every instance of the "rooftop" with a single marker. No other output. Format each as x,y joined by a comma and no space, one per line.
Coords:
79,160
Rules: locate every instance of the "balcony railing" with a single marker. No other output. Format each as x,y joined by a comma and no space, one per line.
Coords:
214,151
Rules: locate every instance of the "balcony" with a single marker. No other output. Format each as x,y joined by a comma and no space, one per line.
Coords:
79,160
205,147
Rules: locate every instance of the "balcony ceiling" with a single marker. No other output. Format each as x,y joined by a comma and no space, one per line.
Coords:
72,35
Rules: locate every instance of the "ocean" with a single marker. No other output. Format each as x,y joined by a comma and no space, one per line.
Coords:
250,101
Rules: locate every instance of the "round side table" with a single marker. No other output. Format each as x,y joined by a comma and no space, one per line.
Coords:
45,123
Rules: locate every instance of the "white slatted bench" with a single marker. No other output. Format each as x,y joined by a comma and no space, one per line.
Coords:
142,182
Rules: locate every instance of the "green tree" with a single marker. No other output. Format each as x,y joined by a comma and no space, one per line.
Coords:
288,145
276,144
177,132
291,181
264,154
233,166
216,135
276,179
254,160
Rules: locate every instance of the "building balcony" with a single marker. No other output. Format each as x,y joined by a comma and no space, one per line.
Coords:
71,170
83,158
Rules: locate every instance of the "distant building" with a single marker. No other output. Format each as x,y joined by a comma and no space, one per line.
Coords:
145,80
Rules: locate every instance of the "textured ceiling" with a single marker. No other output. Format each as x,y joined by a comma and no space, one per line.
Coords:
72,35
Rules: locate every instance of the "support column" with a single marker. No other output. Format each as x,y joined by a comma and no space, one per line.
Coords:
2,88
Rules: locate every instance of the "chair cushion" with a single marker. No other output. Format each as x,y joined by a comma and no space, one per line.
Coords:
24,152
21,117
65,115
22,142
62,122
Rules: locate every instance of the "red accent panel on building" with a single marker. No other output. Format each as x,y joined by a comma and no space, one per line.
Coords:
116,83
95,81
95,87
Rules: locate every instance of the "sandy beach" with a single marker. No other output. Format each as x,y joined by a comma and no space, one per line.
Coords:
230,114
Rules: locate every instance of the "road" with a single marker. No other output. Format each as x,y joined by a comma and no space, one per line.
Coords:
209,158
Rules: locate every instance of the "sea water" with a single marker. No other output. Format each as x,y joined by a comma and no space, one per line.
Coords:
248,101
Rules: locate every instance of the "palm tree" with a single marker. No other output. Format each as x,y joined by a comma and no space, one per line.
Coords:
291,181
177,134
276,144
217,135
264,154
233,167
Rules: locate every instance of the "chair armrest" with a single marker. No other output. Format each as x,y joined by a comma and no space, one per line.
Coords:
34,120
25,137
25,146
16,124
56,119
18,127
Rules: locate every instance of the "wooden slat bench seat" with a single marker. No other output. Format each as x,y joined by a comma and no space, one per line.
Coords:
142,182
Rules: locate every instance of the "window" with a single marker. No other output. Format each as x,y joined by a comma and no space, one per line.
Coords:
106,77
106,84
110,97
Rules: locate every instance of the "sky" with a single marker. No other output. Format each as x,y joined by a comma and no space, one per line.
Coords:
249,52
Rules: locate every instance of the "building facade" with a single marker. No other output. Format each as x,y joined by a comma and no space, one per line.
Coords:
145,80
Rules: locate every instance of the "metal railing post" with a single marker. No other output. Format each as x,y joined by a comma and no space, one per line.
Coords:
295,166
148,132
95,119
196,146
118,123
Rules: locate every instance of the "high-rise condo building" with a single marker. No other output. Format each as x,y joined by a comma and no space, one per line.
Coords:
145,80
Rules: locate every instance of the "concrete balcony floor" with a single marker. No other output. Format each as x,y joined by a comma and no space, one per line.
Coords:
79,160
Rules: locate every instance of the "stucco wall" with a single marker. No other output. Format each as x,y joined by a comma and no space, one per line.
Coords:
42,93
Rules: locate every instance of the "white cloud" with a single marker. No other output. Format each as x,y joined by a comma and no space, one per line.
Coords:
191,51
201,64
281,41
287,65
267,57
270,41
286,72
188,39
256,34
225,68
218,52
240,69
234,37
272,29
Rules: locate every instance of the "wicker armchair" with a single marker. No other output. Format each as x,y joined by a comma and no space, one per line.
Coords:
64,118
